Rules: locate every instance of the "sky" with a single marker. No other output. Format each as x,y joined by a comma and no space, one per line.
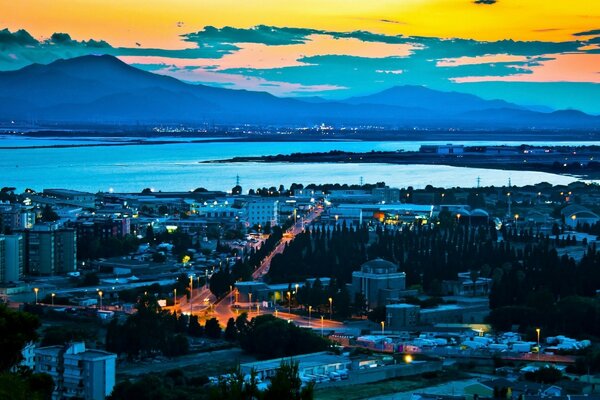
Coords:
531,52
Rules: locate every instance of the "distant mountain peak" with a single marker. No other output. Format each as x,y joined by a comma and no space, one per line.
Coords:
102,89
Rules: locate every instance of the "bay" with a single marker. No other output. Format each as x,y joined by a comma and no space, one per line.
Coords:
174,167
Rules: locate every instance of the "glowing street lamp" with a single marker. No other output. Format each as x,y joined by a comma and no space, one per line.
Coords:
330,308
516,220
175,297
321,325
309,311
100,294
52,295
36,290
537,330
191,295
289,302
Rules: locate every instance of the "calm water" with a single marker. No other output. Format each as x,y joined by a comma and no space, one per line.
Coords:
175,167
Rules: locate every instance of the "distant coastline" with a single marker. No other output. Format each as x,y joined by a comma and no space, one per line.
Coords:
141,138
558,160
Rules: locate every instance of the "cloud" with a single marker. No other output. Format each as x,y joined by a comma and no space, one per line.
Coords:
287,60
18,38
593,32
268,35
391,21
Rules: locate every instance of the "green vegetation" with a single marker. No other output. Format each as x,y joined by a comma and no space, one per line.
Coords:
149,331
222,280
175,385
16,330
270,337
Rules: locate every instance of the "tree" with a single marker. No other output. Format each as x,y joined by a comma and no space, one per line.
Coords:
90,279
194,328
212,328
231,330
286,384
26,386
48,214
271,337
377,314
16,330
237,189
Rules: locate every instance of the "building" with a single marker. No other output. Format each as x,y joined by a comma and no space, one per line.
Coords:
102,228
467,285
575,214
378,281
15,216
50,250
11,258
77,372
401,316
72,197
443,149
309,365
386,195
262,212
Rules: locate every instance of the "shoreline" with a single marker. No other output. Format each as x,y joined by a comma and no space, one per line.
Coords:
578,166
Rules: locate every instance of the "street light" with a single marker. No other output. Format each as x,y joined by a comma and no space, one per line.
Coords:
100,294
52,295
309,311
36,290
175,297
537,330
516,221
191,295
250,298
289,302
297,289
257,308
330,308
382,335
321,325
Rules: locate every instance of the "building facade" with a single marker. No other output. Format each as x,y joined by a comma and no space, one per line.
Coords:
378,281
262,212
49,250
76,371
11,258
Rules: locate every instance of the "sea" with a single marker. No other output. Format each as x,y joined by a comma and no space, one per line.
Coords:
178,167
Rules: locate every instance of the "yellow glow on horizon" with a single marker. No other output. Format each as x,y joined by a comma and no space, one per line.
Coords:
154,23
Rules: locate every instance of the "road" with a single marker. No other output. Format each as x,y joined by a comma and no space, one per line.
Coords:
222,309
202,299
289,235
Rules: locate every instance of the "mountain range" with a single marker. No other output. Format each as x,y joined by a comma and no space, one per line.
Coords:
104,90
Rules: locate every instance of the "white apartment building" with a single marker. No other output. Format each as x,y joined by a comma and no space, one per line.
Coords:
77,372
262,212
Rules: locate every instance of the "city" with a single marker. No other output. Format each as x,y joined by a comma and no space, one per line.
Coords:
218,265
308,200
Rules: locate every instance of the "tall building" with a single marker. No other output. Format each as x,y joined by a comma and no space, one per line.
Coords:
262,212
65,251
11,258
77,372
378,281
49,250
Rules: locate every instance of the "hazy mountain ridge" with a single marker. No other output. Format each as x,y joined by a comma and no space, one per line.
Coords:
103,89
